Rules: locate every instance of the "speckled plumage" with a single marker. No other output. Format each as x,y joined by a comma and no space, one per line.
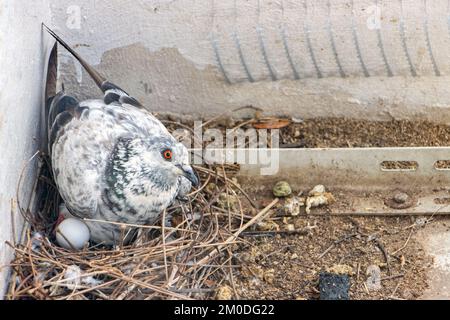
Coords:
108,163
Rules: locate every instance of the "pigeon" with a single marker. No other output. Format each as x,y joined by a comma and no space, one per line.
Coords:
112,160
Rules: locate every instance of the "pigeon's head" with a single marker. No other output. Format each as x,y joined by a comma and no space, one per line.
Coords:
168,160
156,167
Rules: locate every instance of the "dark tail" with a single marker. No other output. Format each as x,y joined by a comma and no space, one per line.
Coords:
99,79
112,92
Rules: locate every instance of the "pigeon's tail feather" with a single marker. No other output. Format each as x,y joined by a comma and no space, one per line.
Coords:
99,79
112,92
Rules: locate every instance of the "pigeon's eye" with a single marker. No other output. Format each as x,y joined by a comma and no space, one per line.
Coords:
167,154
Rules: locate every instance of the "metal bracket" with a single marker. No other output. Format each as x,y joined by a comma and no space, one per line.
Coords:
359,181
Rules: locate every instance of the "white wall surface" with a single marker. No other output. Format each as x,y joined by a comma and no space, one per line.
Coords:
22,61
362,58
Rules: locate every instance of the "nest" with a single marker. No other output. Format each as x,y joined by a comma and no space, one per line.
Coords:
192,259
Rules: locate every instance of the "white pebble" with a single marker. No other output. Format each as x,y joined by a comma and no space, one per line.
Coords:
373,281
319,189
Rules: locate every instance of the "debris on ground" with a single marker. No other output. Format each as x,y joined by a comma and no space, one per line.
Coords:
319,200
224,293
340,269
293,204
318,197
269,276
337,245
282,189
267,225
334,286
271,123
356,133
317,190
228,201
373,281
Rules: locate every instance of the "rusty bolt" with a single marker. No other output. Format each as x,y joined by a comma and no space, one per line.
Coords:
399,200
400,197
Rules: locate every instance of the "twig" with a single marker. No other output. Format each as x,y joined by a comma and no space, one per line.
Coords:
385,254
395,290
358,270
401,275
335,243
230,239
272,233
405,244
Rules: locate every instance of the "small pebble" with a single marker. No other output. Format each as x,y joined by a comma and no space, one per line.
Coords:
292,206
282,189
290,227
341,269
269,276
319,200
373,281
228,201
267,226
317,190
211,187
224,293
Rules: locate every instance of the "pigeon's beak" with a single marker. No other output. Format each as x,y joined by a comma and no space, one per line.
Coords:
190,174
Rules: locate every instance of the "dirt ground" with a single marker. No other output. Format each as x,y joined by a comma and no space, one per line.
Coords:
286,265
345,133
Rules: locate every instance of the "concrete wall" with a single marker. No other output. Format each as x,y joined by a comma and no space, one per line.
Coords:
362,58
22,63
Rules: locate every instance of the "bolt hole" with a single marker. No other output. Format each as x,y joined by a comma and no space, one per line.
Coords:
442,165
443,200
399,165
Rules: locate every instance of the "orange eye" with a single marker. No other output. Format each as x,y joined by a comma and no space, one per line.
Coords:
167,154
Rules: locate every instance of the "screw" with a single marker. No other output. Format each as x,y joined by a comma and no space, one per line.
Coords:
400,197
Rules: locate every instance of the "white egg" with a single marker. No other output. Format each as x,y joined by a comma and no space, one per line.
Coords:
75,231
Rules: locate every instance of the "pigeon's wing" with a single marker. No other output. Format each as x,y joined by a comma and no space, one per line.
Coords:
112,93
71,175
63,108
82,139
